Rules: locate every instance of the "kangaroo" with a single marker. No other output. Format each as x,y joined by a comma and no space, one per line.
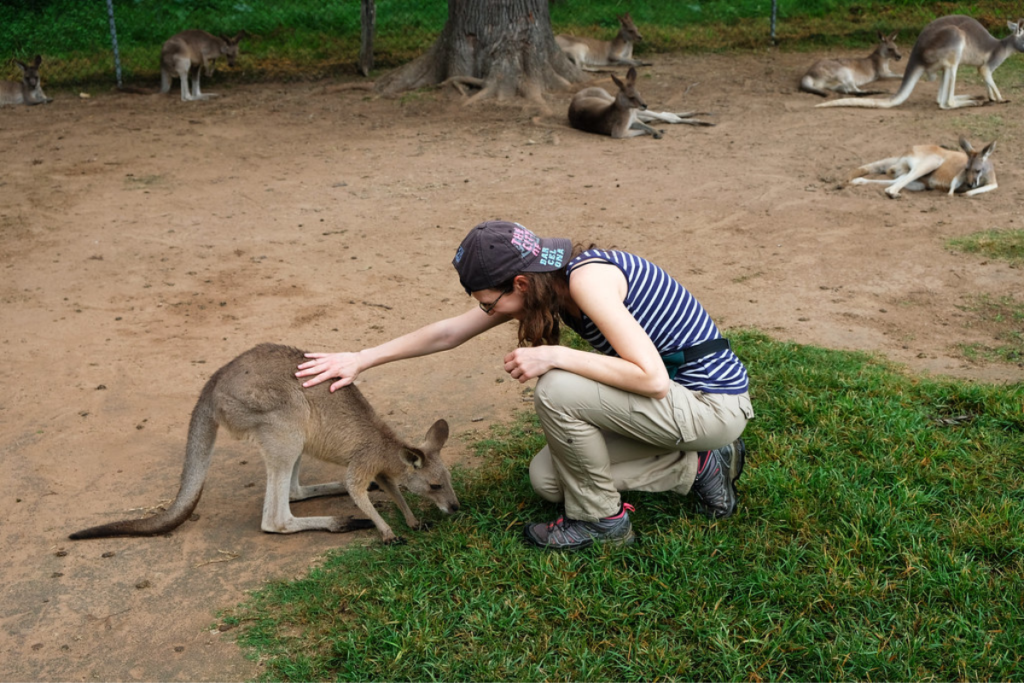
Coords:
930,167
255,396
595,110
588,53
848,75
943,46
29,90
188,53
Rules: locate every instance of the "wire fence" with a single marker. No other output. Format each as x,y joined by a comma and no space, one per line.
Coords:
97,42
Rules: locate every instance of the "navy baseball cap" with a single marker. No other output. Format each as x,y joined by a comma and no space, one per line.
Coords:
496,251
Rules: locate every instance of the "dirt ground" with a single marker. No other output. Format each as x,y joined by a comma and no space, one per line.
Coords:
145,242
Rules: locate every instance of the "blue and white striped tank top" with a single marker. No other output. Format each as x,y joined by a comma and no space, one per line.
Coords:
673,319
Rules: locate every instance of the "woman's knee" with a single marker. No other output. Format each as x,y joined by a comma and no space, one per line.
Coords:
557,389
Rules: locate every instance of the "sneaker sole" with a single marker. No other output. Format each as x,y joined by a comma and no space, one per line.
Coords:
739,459
628,539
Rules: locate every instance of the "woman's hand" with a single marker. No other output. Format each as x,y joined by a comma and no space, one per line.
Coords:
528,363
324,366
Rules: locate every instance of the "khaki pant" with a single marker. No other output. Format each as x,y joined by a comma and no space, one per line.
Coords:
602,440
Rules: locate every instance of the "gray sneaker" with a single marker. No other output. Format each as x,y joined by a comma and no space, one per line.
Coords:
717,472
572,534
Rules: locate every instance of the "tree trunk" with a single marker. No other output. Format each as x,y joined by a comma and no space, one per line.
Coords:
503,48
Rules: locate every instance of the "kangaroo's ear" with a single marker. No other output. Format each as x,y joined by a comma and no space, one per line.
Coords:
622,86
38,61
414,457
881,36
437,435
21,65
989,148
965,145
893,36
631,74
1017,27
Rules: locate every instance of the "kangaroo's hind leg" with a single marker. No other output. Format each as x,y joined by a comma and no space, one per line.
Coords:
282,449
880,167
181,67
197,94
918,169
299,492
641,128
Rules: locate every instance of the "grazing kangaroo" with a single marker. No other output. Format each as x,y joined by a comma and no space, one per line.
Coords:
595,110
848,75
29,90
943,46
189,53
255,396
930,167
588,53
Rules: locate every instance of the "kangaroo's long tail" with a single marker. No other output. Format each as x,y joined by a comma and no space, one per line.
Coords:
202,433
910,78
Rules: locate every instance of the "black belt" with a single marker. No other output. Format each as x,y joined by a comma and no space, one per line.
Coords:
674,361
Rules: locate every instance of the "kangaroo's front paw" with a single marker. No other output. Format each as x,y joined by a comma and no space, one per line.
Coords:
394,540
658,134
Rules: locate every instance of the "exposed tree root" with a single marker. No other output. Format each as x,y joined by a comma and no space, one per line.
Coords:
460,83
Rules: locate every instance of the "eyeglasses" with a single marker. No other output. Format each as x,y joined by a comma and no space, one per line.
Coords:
487,308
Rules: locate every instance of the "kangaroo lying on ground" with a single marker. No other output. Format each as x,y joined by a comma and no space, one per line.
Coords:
930,167
595,110
189,53
29,90
256,397
847,75
943,46
587,53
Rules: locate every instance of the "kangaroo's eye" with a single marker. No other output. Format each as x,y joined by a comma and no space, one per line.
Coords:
436,487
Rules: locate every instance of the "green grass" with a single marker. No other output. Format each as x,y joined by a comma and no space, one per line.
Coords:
1004,318
880,536
1005,245
309,39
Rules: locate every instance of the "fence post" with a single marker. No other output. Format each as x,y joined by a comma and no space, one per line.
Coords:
369,17
775,11
113,40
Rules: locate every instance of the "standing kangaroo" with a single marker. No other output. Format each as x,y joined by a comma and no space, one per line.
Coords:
595,110
930,167
588,53
188,54
847,75
943,46
29,90
256,397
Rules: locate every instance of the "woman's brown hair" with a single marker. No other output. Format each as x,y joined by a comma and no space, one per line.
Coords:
544,302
